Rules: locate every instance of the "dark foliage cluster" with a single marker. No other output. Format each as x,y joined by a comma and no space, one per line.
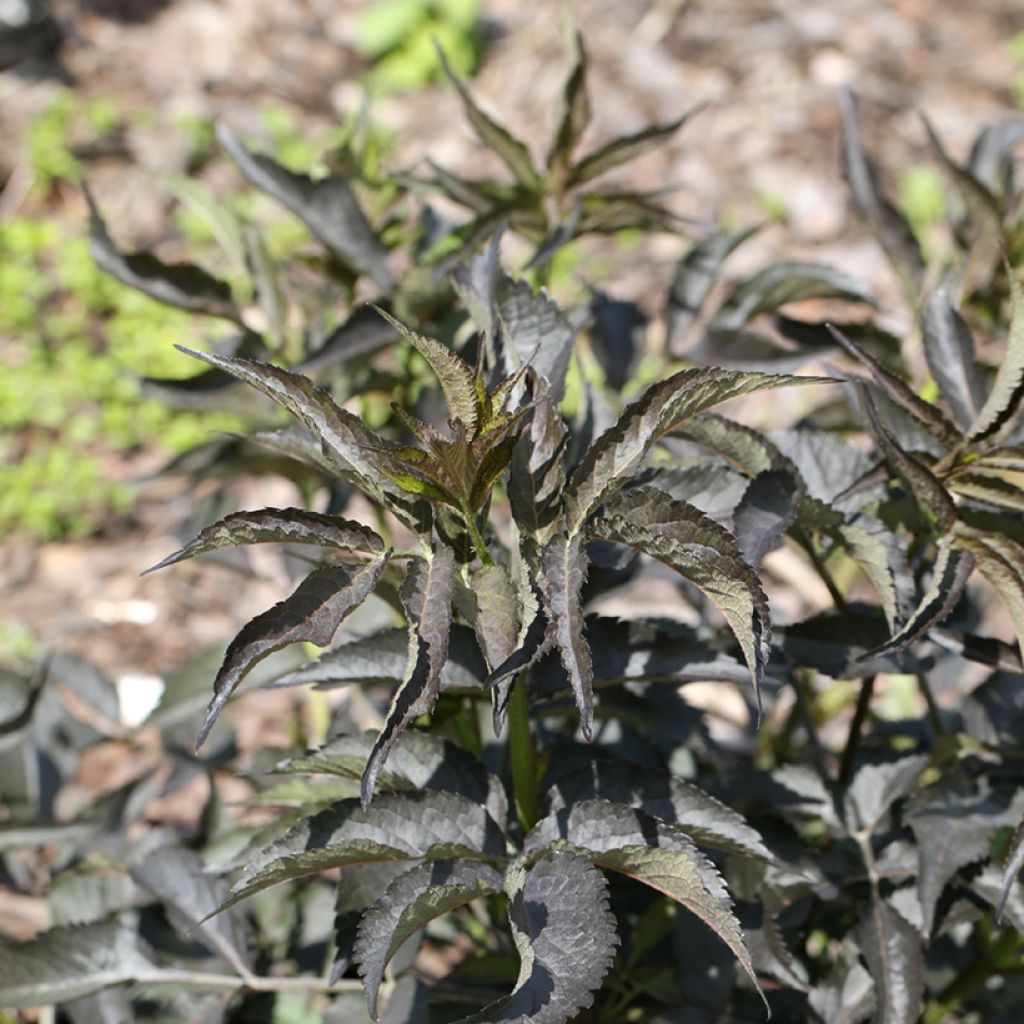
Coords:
542,809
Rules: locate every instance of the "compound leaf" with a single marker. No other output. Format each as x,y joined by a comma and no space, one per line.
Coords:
284,525
311,614
565,936
411,901
426,596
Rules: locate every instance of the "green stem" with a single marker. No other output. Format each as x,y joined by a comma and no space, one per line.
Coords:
476,538
822,570
867,689
973,978
521,755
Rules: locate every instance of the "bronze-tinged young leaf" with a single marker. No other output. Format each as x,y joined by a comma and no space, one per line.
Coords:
401,827
892,950
451,370
537,472
886,223
328,207
949,351
622,839
616,455
284,525
575,114
949,577
410,902
426,596
1003,402
562,572
311,614
183,285
929,416
702,551
497,138
931,497
1014,862
625,148
565,936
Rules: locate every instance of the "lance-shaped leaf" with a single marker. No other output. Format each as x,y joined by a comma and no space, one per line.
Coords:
403,826
929,416
1004,399
328,207
886,223
784,282
284,525
1014,862
765,512
537,471
625,148
360,335
183,285
931,497
876,787
694,276
702,551
417,761
451,370
575,115
496,619
949,350
949,577
563,570
989,490
179,878
671,800
620,838
616,455
991,159
411,901
493,135
71,962
892,950
565,937
1000,560
359,887
535,331
311,614
383,657
426,596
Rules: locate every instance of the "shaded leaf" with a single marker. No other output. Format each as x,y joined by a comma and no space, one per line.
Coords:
1014,862
847,993
575,115
765,512
311,614
876,787
565,936
183,285
361,334
991,159
537,332
497,613
328,207
892,950
284,525
1000,560
411,901
537,471
426,596
949,350
617,337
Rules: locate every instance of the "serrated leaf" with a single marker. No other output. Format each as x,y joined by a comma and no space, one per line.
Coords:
1004,399
283,525
928,416
1000,560
451,370
622,839
892,950
535,331
411,901
1014,862
328,207
399,827
886,223
786,281
846,995
989,490
949,350
876,787
561,574
694,277
311,614
565,937
537,471
949,577
494,136
360,886
183,285
426,596
575,115
179,878
384,656
671,800
703,552
84,895
625,148
497,613
616,455
937,507
766,511
69,963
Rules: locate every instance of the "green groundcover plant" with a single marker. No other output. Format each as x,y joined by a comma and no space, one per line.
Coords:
545,824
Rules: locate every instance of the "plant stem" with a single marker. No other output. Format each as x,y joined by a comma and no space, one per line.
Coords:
476,538
253,983
521,755
934,717
867,689
819,565
972,978
801,688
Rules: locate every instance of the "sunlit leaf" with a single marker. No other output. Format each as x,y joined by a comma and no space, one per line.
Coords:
892,950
